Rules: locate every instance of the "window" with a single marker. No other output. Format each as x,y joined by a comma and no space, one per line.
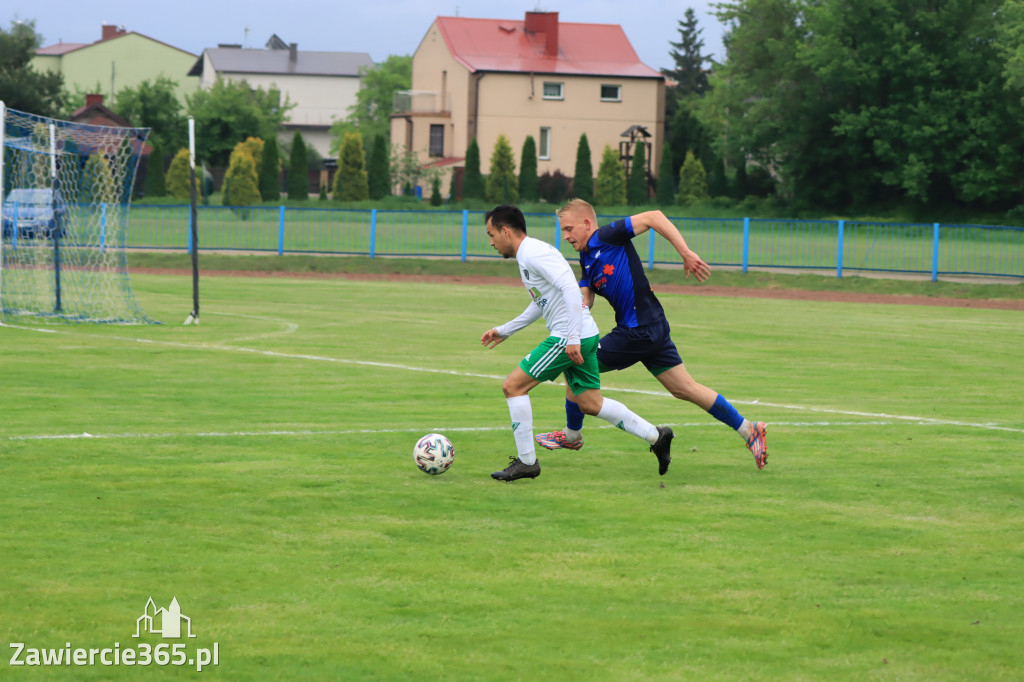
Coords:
436,139
611,93
544,150
553,91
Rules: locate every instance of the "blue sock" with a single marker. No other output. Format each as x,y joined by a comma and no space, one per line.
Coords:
573,415
724,412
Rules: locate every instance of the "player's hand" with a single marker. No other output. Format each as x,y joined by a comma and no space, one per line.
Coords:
695,265
573,351
491,338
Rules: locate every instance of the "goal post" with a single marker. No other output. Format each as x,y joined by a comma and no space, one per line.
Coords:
65,193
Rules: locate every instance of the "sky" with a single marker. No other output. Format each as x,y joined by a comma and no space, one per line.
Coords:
378,27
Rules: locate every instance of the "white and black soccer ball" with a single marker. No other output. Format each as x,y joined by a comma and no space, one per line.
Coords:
433,454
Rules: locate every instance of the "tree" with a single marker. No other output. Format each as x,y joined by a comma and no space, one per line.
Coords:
242,179
379,168
666,193
298,173
231,111
529,185
270,171
21,86
435,190
178,175
156,182
689,74
611,180
350,183
693,182
502,184
371,114
473,181
583,179
636,185
154,104
97,184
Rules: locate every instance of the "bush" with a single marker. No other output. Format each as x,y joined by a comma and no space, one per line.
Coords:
156,181
298,170
554,187
528,188
242,180
178,176
351,183
473,181
583,180
502,185
270,172
611,180
693,182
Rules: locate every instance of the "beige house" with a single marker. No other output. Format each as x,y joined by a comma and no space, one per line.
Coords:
119,59
321,85
555,81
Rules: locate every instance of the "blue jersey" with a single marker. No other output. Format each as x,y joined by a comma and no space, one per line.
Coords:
612,269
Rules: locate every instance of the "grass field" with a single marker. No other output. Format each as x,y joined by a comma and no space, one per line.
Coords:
258,468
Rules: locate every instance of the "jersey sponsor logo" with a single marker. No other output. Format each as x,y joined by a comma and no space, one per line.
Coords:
535,295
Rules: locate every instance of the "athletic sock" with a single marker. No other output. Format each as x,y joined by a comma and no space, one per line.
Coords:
521,411
573,417
724,412
617,414
572,436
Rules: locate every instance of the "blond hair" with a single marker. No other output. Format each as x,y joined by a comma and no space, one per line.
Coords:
576,204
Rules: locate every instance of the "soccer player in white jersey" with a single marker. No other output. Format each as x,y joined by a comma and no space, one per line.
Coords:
570,349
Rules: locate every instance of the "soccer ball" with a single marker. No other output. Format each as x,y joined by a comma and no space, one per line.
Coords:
433,454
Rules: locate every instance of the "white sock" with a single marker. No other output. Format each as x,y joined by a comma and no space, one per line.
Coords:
746,428
571,435
522,427
617,414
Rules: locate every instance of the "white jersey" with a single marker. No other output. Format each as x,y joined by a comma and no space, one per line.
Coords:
555,292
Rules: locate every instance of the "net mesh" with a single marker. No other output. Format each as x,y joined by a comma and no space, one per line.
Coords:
66,194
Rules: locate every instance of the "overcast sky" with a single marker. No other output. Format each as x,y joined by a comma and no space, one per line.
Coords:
378,27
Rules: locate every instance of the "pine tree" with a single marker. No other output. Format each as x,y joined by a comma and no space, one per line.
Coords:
298,173
636,188
435,191
583,179
689,74
529,183
178,176
379,169
156,181
666,194
502,184
351,182
611,180
693,182
473,181
740,188
270,171
243,182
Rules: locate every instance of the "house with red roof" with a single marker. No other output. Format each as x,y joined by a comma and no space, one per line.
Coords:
481,78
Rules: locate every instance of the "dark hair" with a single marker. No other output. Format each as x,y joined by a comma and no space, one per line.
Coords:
507,216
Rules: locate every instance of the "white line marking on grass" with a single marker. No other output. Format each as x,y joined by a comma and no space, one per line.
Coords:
410,368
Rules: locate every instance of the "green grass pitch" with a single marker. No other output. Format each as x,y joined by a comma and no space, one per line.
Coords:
259,469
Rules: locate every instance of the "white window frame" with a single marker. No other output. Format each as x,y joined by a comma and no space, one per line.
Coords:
561,90
544,144
618,89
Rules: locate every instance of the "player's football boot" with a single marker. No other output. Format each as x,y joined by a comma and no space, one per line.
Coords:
758,445
662,448
555,440
517,469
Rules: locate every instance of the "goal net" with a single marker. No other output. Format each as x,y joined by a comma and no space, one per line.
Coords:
66,189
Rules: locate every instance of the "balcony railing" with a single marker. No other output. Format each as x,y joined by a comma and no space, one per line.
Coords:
421,102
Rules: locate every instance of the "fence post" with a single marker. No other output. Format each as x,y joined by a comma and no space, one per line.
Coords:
650,250
935,252
465,232
746,243
839,250
189,231
373,231
280,231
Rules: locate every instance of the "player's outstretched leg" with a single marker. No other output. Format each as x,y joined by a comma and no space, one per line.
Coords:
662,448
517,469
757,444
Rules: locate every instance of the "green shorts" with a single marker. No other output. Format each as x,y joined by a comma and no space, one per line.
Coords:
548,361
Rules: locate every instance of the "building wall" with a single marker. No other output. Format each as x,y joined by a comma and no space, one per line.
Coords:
120,63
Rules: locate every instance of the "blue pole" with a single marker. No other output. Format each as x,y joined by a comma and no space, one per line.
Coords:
280,231
935,252
839,250
103,228
373,232
650,250
558,232
14,228
465,232
190,231
746,243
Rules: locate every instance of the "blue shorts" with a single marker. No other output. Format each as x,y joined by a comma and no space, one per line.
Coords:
651,345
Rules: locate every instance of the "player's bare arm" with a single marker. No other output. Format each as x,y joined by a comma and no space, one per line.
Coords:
588,297
657,221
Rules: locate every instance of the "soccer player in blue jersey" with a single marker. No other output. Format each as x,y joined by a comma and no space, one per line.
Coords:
611,268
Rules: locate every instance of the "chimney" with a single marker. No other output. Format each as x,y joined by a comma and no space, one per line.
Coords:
111,31
546,23
293,52
91,100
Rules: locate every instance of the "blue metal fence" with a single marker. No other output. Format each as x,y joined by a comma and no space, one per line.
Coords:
927,249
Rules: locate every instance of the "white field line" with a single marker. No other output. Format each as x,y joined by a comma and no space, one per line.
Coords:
410,368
